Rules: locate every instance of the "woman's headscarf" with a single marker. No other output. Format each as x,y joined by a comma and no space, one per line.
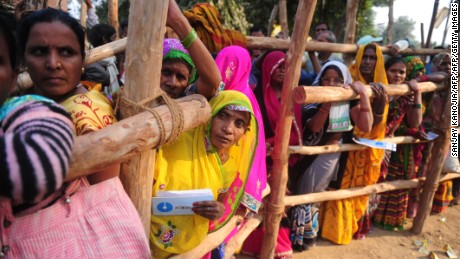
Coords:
413,64
347,79
380,75
234,63
190,163
272,104
173,49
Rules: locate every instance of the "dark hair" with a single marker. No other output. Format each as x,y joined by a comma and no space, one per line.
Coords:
393,61
47,16
99,33
257,28
334,67
7,34
124,24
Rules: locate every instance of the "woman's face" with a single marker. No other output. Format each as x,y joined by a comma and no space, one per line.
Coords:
174,77
7,74
277,77
444,66
396,73
53,59
368,62
228,127
331,78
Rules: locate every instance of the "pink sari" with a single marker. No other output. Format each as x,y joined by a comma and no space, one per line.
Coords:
234,64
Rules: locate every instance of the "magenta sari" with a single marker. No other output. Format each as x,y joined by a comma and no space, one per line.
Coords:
234,64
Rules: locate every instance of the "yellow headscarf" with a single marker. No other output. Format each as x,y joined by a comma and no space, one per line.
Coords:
380,75
191,162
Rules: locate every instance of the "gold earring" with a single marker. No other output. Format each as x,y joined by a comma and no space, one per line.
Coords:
82,70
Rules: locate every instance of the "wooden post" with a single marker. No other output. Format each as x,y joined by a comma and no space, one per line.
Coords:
350,26
440,147
447,24
271,21
283,19
422,35
312,94
113,14
83,13
275,206
390,22
147,21
433,18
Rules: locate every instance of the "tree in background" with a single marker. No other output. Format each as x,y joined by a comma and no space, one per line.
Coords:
123,11
403,28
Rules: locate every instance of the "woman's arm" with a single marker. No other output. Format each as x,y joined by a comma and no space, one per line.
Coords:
35,151
209,76
414,114
316,123
379,102
361,114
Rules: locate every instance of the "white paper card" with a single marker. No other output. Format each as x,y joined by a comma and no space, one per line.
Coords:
178,202
375,143
431,135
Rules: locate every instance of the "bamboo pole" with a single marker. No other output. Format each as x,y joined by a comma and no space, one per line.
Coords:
321,94
238,239
422,36
212,240
131,136
446,27
113,14
275,206
271,21
283,18
433,18
390,22
83,13
147,21
350,26
440,147
326,149
267,43
360,191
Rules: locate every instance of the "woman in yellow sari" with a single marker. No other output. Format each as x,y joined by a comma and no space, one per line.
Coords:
343,219
216,156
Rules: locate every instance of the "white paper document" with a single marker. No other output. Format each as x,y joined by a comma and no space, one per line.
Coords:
375,143
431,135
178,202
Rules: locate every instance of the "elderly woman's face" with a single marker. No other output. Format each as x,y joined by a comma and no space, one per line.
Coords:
228,127
174,77
444,65
368,62
53,59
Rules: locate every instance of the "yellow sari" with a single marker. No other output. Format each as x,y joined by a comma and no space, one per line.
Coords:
339,219
191,162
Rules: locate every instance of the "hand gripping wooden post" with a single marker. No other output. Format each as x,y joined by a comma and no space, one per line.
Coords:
275,206
440,147
144,54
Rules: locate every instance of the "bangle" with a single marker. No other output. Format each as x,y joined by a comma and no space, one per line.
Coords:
417,105
323,110
189,39
362,109
377,115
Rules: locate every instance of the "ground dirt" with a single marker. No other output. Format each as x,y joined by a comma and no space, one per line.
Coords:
439,230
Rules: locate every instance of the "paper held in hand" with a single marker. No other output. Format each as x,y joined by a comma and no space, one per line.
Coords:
178,202
375,143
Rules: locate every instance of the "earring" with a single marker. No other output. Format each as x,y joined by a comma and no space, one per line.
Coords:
82,70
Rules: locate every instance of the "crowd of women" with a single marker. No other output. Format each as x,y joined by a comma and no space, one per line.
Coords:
46,215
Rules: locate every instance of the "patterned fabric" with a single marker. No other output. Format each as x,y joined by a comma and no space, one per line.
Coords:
196,166
340,218
206,20
234,64
413,64
97,221
173,49
91,111
36,138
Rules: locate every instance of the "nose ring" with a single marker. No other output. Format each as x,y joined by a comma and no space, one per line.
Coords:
59,65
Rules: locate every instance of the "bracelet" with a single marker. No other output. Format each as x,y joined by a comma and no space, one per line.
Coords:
377,115
323,110
417,105
362,109
189,39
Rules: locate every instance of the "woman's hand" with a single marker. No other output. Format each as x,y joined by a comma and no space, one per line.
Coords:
358,87
209,209
380,99
413,86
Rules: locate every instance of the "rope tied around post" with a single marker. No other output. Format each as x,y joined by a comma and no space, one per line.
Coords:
129,108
